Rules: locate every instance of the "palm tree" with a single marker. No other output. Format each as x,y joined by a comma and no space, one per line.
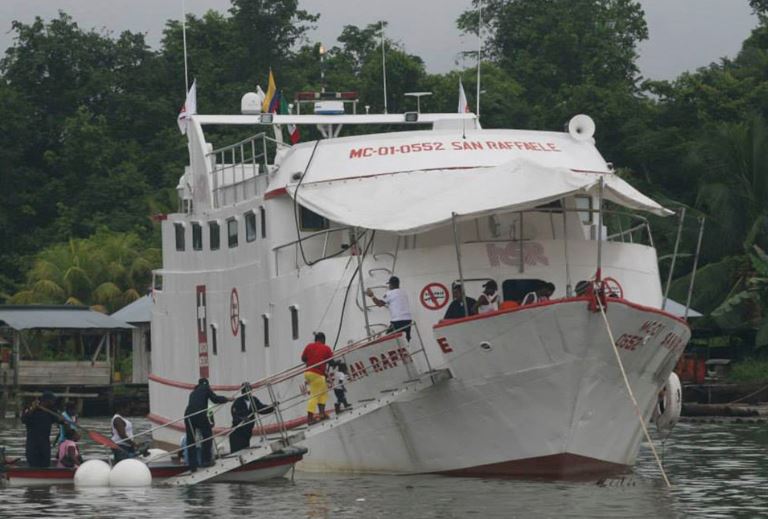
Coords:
106,271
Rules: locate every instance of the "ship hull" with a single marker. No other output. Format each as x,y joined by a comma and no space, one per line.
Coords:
535,392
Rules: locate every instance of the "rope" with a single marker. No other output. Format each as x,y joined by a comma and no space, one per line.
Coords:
747,396
631,393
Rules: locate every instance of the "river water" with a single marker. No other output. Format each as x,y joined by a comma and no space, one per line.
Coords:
717,470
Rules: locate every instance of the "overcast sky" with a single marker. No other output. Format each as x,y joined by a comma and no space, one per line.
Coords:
684,34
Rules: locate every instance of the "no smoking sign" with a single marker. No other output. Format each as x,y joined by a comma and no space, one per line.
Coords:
434,296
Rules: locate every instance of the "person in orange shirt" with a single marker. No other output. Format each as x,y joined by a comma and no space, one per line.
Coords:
315,356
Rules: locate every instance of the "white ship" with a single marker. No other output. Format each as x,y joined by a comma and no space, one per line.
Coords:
275,241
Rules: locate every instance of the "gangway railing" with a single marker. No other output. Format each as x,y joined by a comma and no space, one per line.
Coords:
380,368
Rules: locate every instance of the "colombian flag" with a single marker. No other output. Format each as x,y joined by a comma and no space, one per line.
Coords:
272,99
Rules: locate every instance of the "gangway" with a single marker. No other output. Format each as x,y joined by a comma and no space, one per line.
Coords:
375,367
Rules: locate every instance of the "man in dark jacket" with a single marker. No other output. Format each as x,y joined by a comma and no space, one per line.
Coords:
196,423
38,423
456,309
244,411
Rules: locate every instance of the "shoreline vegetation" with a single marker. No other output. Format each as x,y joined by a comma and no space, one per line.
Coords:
90,148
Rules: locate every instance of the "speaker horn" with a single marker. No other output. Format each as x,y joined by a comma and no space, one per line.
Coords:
581,127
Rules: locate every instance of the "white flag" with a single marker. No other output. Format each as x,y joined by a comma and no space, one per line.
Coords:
463,107
189,108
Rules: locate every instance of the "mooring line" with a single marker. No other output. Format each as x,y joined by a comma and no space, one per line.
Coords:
631,394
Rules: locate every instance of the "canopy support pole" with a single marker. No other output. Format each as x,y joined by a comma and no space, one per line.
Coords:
674,258
16,362
458,261
702,219
358,250
600,228
522,256
568,291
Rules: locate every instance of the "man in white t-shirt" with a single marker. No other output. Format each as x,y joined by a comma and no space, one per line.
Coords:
396,301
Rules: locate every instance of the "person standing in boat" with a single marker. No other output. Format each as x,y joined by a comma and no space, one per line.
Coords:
70,421
198,426
457,310
396,300
244,410
489,299
38,419
316,355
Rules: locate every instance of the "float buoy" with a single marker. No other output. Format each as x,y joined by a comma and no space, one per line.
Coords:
92,473
130,473
669,405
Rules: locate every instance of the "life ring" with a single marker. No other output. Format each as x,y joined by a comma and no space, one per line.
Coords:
669,404
612,288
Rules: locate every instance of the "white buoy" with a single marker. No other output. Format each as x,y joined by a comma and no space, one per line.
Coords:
92,473
156,454
130,473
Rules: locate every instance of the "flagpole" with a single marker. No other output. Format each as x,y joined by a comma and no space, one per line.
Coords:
184,37
384,66
479,53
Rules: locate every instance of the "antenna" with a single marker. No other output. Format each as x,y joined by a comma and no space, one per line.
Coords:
479,53
184,37
384,66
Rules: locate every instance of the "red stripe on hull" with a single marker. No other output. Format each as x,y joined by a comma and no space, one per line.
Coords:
556,466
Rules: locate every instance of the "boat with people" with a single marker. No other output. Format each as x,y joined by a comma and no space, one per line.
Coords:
17,474
274,241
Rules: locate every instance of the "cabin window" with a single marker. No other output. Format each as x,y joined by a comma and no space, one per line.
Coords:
265,320
179,229
250,226
242,336
263,214
584,204
214,235
214,340
294,322
197,236
232,232
311,221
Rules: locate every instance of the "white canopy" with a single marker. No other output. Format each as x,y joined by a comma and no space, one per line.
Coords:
415,201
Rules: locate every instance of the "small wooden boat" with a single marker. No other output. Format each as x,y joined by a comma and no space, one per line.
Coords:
272,466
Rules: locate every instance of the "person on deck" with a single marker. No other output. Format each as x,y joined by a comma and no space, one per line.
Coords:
38,420
68,454
198,426
396,300
456,309
489,299
244,410
315,356
122,435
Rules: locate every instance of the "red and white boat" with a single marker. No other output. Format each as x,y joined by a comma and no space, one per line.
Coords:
270,246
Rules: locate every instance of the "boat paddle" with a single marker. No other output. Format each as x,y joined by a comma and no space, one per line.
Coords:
93,435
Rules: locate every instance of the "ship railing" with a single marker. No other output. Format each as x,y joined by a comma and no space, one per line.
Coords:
234,168
377,365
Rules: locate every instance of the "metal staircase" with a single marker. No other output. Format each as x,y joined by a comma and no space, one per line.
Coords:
378,392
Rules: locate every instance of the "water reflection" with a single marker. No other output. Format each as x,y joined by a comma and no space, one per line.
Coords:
718,470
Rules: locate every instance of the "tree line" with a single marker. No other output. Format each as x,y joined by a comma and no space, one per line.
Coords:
90,150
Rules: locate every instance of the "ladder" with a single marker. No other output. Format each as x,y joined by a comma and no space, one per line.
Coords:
251,454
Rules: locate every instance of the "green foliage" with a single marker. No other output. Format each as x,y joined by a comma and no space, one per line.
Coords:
749,370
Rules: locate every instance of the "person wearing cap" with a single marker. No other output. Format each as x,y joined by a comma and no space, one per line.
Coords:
489,299
316,356
244,410
396,300
197,424
38,420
